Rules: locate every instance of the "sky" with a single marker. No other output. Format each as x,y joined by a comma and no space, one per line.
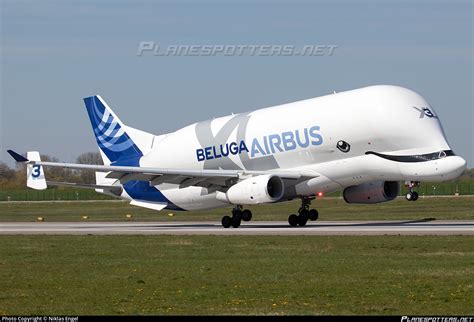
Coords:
55,53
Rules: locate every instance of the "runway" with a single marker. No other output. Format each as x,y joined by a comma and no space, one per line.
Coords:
414,227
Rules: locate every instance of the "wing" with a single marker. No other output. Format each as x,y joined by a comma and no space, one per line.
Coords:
183,177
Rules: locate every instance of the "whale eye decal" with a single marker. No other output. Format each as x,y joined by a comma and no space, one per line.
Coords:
343,146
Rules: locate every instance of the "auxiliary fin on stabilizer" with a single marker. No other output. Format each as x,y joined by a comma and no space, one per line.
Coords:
35,178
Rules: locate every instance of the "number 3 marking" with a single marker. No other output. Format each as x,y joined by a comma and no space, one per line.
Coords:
36,171
424,111
428,112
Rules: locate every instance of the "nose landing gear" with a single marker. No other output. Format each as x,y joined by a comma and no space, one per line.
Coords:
304,214
412,195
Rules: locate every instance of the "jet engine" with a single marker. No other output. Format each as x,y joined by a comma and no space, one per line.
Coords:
255,190
372,192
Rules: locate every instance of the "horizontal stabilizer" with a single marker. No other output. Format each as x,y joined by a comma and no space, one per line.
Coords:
17,157
80,185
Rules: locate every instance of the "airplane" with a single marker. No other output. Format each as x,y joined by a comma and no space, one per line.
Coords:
363,141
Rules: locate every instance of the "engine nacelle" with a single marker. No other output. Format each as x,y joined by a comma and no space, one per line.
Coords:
372,192
255,190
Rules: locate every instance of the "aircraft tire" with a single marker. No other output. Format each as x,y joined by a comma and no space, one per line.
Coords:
313,215
226,221
293,220
303,218
246,215
236,222
236,213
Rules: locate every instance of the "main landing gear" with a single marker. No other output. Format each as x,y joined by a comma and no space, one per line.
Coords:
238,214
412,195
304,214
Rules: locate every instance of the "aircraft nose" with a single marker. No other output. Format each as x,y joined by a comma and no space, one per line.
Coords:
451,167
462,163
458,165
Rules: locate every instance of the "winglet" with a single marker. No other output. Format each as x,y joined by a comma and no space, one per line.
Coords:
17,157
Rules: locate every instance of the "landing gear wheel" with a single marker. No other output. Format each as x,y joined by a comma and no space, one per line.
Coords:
313,215
236,222
412,195
226,221
236,217
246,215
293,220
236,213
305,214
303,218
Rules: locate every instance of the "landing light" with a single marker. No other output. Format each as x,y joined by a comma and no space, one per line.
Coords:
320,194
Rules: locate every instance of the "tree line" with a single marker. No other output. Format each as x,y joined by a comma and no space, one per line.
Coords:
16,178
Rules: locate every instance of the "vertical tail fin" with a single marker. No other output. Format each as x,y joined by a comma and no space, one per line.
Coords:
116,145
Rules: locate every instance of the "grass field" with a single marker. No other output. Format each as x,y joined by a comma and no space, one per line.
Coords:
128,275
329,209
77,275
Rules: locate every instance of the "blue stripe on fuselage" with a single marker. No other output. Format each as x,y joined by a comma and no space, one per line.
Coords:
141,190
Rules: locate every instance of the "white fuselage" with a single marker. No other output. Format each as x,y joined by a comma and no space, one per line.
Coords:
304,136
